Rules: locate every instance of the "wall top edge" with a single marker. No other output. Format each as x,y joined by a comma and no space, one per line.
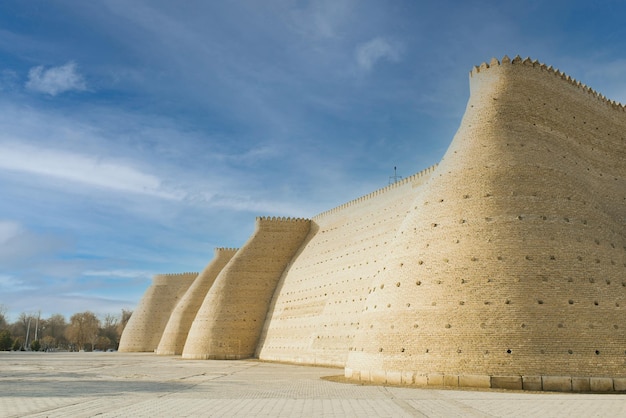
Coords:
397,184
174,275
231,249
281,219
528,62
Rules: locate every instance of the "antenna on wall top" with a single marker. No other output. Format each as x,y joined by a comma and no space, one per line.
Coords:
394,179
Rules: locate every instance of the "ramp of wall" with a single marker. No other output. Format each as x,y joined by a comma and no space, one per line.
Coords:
316,310
511,265
146,324
177,328
230,319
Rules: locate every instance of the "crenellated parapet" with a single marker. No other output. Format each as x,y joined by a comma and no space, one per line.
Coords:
418,177
284,219
225,249
165,278
528,62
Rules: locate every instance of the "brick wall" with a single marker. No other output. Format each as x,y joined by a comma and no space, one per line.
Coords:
513,258
146,324
177,328
316,312
230,319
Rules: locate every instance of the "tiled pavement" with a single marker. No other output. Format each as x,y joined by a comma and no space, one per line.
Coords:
146,385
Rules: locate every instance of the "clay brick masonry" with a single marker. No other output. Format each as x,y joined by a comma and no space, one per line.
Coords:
503,266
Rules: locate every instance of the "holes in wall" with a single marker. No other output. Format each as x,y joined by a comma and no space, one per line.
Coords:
418,283
448,326
540,302
509,351
597,352
571,302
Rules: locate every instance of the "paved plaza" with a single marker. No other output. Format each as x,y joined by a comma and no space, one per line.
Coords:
146,385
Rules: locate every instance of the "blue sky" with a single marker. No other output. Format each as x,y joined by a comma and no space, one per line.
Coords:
138,135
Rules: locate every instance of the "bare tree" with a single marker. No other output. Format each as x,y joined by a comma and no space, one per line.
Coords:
54,327
3,320
123,321
83,329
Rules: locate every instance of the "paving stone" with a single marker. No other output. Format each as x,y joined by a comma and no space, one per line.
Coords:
147,385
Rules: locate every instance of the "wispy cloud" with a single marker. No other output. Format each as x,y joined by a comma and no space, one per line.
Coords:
321,19
371,52
119,274
55,80
19,245
11,284
85,169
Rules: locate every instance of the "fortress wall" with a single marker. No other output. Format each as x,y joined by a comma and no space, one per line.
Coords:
230,320
146,324
177,328
513,259
316,310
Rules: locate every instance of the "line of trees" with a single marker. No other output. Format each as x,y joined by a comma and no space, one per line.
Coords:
84,331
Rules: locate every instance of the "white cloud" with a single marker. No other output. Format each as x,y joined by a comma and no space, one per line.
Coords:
55,80
369,53
83,169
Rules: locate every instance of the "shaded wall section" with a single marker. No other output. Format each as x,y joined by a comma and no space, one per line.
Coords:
179,323
146,324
